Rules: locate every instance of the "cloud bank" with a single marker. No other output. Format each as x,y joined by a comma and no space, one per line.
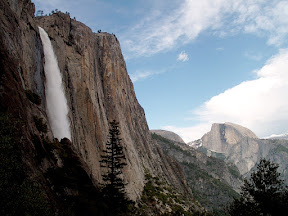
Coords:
260,105
183,56
164,30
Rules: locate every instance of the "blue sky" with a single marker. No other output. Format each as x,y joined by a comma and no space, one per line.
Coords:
196,62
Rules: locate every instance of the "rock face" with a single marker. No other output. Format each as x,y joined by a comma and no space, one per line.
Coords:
223,136
168,135
97,86
242,147
237,143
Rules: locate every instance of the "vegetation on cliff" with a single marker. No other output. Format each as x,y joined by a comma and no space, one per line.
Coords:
204,175
160,198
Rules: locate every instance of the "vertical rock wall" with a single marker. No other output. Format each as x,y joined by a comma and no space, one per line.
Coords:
99,90
97,87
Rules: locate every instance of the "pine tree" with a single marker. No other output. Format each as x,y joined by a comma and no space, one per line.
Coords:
263,194
114,160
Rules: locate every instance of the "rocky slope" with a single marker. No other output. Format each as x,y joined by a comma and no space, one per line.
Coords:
213,182
242,147
98,90
168,135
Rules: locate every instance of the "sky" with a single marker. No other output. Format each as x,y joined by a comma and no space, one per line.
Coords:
194,63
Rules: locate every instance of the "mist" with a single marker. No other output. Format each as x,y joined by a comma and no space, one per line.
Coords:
57,108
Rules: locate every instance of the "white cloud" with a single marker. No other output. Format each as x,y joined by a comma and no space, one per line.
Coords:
165,30
169,29
142,74
260,105
183,56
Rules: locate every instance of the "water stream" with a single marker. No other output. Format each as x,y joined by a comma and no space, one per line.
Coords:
57,108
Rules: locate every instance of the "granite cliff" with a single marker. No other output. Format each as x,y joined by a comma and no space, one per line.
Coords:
242,147
98,90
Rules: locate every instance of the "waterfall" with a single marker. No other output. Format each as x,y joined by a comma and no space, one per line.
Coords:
57,108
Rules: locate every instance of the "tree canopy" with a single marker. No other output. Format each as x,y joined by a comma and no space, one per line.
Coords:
264,193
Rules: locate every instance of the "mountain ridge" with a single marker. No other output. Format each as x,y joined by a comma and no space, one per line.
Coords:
242,147
169,135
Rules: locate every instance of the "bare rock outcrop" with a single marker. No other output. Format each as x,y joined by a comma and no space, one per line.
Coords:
223,136
168,135
242,147
237,143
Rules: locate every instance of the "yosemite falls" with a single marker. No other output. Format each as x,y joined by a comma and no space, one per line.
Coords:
57,108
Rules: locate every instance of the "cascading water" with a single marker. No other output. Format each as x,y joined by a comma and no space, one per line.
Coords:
57,108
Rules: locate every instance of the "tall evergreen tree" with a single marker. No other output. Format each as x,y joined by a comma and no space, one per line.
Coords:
114,160
263,194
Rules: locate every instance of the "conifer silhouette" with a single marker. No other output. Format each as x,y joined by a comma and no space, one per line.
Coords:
113,159
263,194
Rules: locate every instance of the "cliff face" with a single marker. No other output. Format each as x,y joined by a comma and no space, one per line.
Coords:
237,143
223,136
241,146
100,90
97,86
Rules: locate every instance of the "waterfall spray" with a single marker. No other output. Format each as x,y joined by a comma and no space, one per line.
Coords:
57,108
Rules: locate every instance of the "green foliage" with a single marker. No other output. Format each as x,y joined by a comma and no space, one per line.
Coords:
33,97
263,194
41,127
212,187
159,192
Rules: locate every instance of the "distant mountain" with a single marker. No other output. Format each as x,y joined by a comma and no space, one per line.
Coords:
168,135
239,145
